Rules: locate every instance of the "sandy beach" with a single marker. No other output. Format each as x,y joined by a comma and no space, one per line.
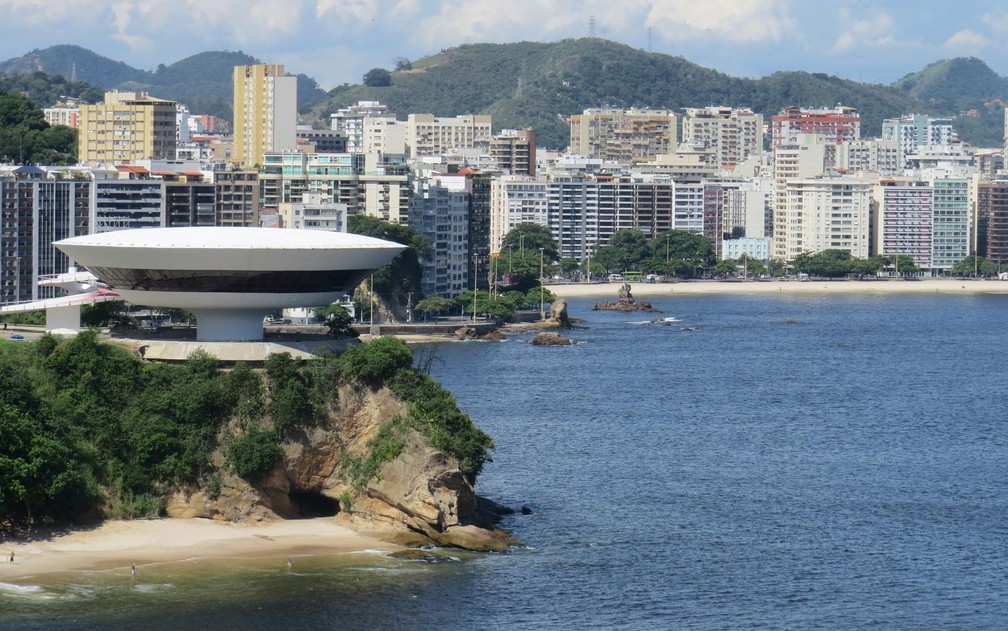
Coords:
116,545
610,291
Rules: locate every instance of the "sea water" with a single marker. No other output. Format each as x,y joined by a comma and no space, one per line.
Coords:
828,462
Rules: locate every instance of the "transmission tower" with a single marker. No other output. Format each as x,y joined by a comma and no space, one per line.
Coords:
591,26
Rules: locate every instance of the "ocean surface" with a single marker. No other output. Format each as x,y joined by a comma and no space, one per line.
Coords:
745,462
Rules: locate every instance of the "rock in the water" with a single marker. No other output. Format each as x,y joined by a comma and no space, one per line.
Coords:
550,339
525,510
626,302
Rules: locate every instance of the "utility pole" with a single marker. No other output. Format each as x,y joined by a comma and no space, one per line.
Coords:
475,272
409,306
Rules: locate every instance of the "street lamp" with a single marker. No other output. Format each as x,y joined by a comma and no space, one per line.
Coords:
542,289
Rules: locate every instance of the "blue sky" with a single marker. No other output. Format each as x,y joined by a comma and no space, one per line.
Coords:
336,41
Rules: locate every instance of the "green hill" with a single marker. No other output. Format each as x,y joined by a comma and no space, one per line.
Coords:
203,82
540,84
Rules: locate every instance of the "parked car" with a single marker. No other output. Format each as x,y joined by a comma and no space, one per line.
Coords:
16,337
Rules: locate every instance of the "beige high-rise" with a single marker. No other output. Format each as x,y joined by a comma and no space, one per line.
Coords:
265,113
127,127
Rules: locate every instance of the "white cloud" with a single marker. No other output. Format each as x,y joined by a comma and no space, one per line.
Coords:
998,23
754,21
966,39
875,31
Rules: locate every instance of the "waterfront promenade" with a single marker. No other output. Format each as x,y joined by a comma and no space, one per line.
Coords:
839,286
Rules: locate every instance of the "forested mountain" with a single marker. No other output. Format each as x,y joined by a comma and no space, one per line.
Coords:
538,84
203,82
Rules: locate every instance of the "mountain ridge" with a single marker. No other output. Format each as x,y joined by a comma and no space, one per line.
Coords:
540,84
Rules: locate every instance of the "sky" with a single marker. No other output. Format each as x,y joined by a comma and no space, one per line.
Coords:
337,41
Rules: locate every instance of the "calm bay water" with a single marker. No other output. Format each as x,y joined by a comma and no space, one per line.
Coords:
752,462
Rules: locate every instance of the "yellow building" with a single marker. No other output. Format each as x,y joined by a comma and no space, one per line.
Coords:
265,113
127,127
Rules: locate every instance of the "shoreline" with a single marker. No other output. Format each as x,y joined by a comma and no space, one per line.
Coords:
115,545
790,288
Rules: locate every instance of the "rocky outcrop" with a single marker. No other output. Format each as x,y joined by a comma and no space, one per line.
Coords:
626,302
420,496
550,339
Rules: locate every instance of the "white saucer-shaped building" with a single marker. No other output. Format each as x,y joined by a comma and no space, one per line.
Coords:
230,278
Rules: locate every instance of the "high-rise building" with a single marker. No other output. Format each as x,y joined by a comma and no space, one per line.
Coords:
733,134
992,210
127,127
514,151
916,131
628,136
833,126
265,113
429,135
350,121
827,214
37,209
903,219
440,212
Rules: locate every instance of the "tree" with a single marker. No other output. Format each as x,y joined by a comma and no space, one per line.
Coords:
687,252
402,64
725,268
752,266
974,265
903,264
568,266
401,276
436,305
377,78
828,263
338,320
531,237
628,249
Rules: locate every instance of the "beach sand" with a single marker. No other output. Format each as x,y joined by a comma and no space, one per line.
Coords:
610,291
117,545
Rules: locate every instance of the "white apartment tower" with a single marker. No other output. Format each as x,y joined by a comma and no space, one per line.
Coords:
827,214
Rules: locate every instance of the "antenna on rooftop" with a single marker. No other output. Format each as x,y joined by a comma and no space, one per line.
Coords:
591,26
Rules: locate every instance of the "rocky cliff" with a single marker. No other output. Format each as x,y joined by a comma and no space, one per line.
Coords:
419,496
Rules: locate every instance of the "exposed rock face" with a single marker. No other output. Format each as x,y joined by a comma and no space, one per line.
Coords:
421,496
559,314
550,339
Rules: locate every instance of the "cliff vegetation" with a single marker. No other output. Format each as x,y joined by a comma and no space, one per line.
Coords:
89,431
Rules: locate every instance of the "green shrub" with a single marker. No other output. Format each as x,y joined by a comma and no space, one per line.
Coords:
289,404
386,445
253,454
375,362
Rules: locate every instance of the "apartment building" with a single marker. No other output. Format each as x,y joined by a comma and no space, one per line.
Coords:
833,126
265,113
428,135
827,213
368,184
514,151
913,132
903,219
992,211
440,212
627,136
37,208
869,156
312,213
733,135
127,127
350,122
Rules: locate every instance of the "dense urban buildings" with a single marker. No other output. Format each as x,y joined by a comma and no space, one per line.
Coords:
803,182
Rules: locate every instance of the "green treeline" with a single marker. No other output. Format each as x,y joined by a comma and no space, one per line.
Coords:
26,138
88,430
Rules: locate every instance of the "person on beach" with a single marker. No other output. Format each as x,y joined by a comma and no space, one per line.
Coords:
11,556
133,571
289,564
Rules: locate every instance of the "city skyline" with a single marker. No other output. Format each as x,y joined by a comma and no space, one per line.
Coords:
335,43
